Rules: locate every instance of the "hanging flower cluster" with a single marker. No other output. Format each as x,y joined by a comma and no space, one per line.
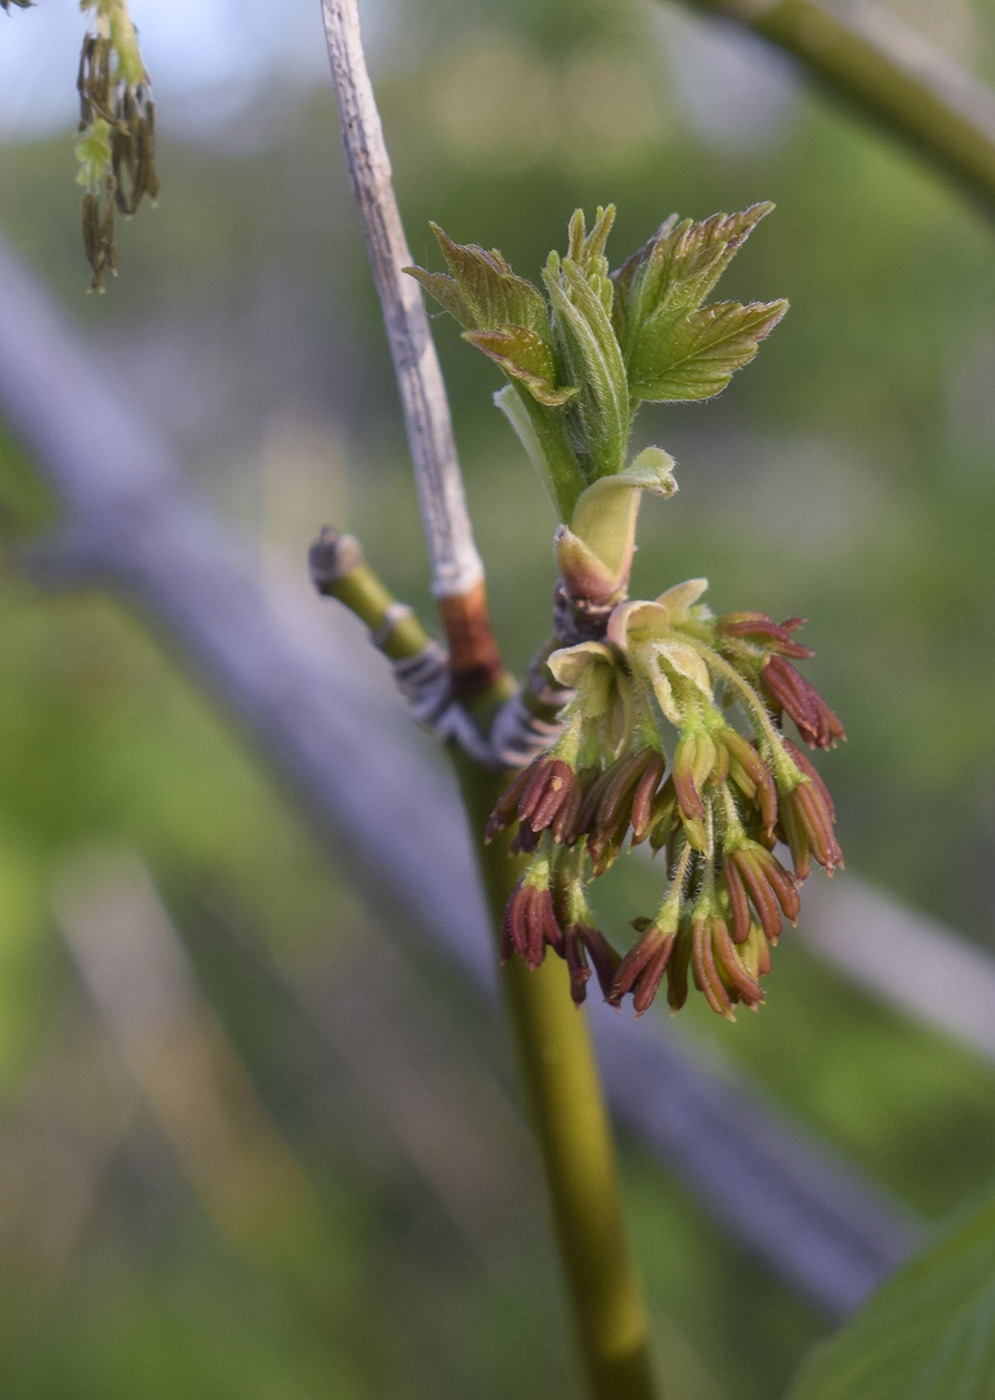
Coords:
651,751
674,732
116,149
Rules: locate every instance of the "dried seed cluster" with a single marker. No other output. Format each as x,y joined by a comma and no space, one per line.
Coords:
650,750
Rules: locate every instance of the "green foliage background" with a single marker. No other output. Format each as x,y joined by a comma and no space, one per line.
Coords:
847,476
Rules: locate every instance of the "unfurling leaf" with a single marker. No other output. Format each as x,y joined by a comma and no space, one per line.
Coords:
587,250
593,361
694,356
525,356
579,365
677,268
483,293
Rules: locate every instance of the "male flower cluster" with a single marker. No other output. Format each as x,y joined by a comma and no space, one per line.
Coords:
650,750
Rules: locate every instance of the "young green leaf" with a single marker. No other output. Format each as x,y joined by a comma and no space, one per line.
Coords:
483,293
587,250
678,268
694,355
525,356
624,276
928,1334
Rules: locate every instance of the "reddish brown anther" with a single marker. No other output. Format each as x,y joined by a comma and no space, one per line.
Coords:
642,799
736,980
750,774
529,925
579,940
641,970
679,966
506,807
788,690
739,905
664,819
757,871
546,795
772,636
807,818
623,793
688,796
706,974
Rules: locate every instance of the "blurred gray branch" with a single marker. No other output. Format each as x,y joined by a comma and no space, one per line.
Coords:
864,53
311,696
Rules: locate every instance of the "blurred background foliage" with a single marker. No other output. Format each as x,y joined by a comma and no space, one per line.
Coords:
846,476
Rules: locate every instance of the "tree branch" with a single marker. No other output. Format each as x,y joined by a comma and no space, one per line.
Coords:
894,75
457,570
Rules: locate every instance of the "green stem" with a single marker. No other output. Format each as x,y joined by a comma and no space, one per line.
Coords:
565,1099
554,1051
939,110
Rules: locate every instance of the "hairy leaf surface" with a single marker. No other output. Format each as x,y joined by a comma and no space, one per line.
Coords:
483,293
524,355
694,355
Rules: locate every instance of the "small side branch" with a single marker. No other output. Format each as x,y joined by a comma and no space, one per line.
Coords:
524,723
895,75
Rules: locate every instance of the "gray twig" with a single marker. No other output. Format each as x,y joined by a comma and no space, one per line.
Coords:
456,564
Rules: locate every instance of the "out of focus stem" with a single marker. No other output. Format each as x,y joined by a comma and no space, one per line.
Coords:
563,1091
